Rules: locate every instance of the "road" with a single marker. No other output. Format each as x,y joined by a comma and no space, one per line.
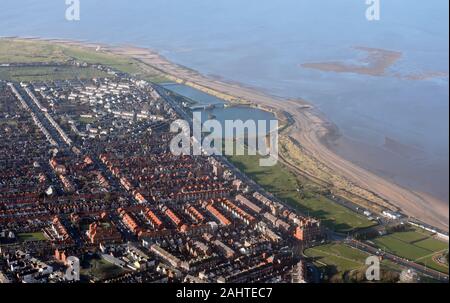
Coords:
398,260
239,174
330,234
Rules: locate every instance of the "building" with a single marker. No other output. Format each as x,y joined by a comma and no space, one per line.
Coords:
298,274
58,231
103,232
165,255
308,230
218,215
244,201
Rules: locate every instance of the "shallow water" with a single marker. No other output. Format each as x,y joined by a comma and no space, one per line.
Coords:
221,113
262,43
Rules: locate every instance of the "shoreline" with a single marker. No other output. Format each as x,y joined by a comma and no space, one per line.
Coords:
308,127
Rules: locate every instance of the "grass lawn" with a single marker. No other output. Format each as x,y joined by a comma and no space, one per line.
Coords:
12,51
401,248
86,120
157,79
123,64
36,236
411,235
415,245
27,51
8,122
99,269
429,262
343,257
48,73
432,244
284,184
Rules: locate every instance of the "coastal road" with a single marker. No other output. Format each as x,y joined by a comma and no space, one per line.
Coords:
398,260
309,128
332,235
239,174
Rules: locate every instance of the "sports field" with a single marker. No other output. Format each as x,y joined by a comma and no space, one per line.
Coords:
342,259
415,245
284,184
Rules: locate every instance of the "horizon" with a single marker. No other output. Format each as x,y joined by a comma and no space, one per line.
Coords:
135,144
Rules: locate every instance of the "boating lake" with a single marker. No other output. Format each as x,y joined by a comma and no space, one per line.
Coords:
263,44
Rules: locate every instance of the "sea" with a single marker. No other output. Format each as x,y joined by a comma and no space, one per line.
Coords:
397,127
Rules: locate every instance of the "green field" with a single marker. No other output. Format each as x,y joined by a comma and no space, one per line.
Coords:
156,78
12,51
344,257
340,259
28,51
32,51
86,120
284,184
100,269
415,245
432,244
48,73
7,122
123,64
36,236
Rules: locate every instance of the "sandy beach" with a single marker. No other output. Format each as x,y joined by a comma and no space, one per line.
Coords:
309,129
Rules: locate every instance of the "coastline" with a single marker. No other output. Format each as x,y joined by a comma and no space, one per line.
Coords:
307,127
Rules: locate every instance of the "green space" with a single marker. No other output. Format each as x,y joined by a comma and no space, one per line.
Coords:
340,262
411,235
156,78
431,263
415,245
8,122
34,51
99,268
286,186
49,73
123,64
35,236
86,120
432,244
343,257
13,51
400,247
